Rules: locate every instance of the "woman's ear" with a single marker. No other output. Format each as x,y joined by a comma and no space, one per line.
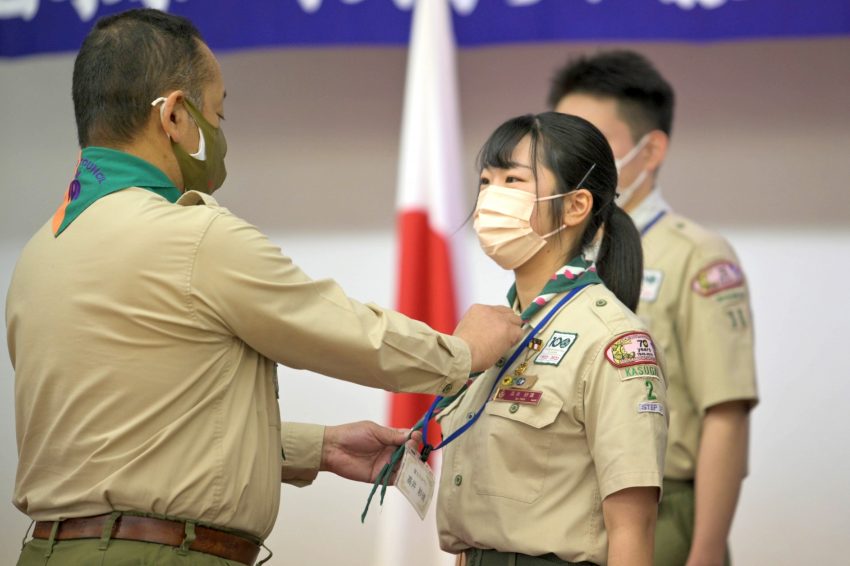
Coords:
577,207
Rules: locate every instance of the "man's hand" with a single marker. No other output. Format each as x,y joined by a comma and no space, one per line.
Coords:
358,451
489,332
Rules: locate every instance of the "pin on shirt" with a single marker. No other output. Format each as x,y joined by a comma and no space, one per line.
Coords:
518,381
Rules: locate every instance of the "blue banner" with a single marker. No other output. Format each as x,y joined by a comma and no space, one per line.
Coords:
42,26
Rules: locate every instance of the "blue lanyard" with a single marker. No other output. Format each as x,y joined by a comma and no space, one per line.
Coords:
652,222
523,345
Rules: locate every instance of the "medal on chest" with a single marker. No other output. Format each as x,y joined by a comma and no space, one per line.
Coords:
516,386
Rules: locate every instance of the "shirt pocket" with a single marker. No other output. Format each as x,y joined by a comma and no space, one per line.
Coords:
512,458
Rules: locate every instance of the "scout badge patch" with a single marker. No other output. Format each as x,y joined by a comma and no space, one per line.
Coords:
651,285
632,349
651,407
717,277
556,348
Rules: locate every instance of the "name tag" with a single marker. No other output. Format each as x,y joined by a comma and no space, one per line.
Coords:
416,482
518,396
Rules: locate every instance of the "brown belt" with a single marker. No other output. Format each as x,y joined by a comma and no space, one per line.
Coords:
159,531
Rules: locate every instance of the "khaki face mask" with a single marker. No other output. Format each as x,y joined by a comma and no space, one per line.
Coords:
203,171
502,221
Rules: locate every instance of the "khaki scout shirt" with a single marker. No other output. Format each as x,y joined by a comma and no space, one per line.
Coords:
531,479
145,340
695,301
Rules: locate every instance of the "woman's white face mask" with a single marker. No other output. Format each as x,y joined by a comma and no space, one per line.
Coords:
502,221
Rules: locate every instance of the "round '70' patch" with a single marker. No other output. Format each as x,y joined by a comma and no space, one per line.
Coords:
630,350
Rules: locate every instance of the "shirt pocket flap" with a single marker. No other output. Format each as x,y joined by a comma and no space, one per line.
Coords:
537,416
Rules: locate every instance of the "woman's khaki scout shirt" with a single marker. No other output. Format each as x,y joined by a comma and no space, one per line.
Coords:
531,478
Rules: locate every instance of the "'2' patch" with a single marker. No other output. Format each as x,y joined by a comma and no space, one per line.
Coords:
556,348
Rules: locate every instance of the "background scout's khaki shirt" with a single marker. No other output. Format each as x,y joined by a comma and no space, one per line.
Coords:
531,479
145,339
695,301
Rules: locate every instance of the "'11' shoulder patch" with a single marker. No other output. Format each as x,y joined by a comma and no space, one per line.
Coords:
556,348
632,349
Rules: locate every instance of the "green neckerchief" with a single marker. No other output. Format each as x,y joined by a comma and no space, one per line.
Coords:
577,272
103,171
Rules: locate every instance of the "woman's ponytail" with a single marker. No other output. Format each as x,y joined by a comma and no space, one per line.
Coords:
620,258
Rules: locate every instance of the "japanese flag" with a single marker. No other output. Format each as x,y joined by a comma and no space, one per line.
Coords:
430,212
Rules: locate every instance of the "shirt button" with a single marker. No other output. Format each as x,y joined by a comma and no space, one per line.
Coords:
458,479
514,408
469,416
447,389
500,362
601,303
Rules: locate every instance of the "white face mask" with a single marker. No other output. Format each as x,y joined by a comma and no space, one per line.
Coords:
502,221
624,194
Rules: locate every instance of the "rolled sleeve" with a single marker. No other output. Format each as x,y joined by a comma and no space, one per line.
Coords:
302,452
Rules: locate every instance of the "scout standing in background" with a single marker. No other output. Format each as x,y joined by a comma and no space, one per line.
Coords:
694,299
555,455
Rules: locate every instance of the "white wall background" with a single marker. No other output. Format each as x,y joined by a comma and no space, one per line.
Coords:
759,151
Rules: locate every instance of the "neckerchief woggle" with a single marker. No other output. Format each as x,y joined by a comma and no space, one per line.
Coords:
102,171
572,278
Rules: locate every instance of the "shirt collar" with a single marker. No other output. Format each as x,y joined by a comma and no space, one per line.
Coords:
649,209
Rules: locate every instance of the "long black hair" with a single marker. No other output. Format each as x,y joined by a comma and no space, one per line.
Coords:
570,147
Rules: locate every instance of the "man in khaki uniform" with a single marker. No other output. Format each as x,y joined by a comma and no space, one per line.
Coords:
694,299
530,480
145,323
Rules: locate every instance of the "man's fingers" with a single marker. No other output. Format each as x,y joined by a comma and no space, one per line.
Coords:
489,331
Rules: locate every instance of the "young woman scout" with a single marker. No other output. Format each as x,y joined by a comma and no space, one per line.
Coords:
555,456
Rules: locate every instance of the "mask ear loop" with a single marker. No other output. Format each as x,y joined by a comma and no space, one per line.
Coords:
562,226
161,100
626,159
201,154
580,183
